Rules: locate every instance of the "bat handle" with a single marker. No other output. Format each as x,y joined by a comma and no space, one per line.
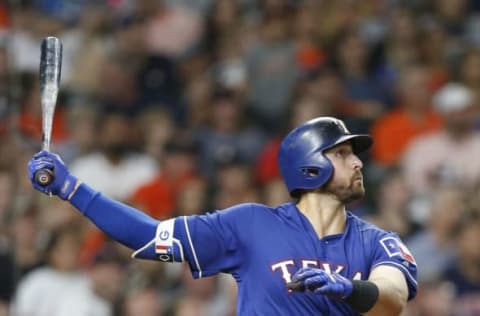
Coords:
44,177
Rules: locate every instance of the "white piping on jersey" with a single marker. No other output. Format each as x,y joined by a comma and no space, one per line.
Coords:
179,244
399,266
143,248
191,247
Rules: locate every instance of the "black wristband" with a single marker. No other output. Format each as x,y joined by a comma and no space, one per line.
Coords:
363,297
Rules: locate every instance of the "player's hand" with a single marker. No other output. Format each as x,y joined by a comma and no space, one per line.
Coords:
63,182
321,282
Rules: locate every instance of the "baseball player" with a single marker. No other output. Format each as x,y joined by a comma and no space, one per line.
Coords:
307,257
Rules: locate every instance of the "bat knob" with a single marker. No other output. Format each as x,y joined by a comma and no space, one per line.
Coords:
296,286
44,177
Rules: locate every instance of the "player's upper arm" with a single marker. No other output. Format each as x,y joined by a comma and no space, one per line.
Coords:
210,243
393,290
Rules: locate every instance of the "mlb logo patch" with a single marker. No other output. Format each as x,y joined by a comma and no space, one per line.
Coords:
395,247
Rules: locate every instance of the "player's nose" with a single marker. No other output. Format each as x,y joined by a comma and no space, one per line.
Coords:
357,163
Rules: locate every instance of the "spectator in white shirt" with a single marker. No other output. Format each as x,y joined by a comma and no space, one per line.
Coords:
106,276
115,160
449,154
40,291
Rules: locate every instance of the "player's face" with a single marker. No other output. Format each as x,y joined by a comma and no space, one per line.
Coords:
347,180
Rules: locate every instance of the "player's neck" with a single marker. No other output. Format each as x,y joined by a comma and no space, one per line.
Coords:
325,213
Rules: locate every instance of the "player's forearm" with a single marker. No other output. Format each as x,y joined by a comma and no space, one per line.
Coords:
391,299
123,223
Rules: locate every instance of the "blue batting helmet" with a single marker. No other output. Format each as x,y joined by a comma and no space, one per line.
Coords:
301,157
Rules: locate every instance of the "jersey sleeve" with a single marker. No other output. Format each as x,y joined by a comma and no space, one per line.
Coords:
210,243
391,251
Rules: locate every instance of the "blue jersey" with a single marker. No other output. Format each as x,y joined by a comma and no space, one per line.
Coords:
262,247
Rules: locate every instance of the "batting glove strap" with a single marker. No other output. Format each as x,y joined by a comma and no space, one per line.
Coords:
75,188
363,297
68,188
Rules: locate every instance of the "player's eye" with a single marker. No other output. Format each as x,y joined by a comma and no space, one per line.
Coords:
343,152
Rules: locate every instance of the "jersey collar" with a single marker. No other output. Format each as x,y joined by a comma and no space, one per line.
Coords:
301,222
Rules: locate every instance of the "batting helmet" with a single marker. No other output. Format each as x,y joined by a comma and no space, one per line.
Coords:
301,157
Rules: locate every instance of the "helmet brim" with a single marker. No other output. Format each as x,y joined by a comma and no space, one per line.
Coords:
360,142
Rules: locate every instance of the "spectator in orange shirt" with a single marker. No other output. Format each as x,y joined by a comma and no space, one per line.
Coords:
414,117
158,197
4,16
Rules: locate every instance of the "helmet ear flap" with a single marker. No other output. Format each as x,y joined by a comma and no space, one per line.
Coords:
315,176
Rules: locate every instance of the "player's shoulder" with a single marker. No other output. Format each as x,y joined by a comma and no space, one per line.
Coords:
364,227
250,208
254,212
378,239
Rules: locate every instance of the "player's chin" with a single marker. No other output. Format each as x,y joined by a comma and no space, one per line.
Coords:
357,192
353,194
357,195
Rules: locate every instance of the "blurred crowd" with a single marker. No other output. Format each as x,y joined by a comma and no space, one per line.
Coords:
178,107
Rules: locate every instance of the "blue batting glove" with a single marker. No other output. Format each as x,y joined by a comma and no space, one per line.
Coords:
63,183
322,282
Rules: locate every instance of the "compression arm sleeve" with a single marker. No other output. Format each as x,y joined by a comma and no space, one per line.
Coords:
123,223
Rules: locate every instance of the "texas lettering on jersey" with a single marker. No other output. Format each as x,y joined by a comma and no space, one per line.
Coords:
288,267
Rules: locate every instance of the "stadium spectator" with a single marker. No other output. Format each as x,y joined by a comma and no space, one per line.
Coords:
433,247
158,197
366,97
464,272
469,72
227,135
391,203
102,289
40,291
272,70
145,302
446,154
115,159
412,116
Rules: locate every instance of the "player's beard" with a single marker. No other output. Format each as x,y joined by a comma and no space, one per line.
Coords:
347,193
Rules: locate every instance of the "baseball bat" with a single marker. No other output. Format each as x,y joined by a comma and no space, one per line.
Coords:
49,76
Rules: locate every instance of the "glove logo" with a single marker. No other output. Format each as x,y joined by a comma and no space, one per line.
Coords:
65,186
